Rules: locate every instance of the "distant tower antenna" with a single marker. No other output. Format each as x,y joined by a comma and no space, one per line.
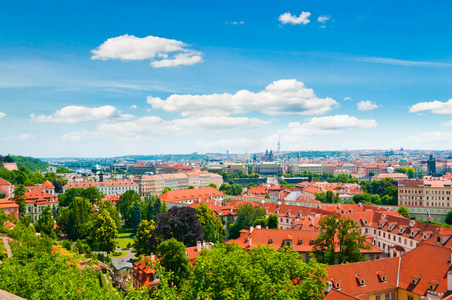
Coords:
279,144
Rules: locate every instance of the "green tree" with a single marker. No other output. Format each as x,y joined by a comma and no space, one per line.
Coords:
136,216
213,185
125,205
247,213
20,199
448,219
191,187
404,212
105,232
230,272
45,223
67,197
92,194
175,260
273,221
410,172
211,232
144,233
167,189
420,175
329,197
79,218
204,215
343,233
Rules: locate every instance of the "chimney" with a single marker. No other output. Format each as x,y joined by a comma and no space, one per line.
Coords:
312,219
258,227
251,229
250,242
198,246
204,244
152,256
412,223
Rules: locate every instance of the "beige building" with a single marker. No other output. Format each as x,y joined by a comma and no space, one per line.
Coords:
421,196
314,168
155,184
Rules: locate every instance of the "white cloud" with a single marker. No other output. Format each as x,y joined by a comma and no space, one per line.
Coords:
366,105
282,97
435,107
181,59
326,125
348,99
2,115
400,62
22,137
75,114
322,19
430,140
293,19
161,51
133,106
448,124
156,126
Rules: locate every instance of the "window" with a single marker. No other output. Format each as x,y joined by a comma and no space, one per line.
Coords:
393,297
377,297
408,297
387,296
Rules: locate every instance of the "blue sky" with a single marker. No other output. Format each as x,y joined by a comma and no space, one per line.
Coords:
107,78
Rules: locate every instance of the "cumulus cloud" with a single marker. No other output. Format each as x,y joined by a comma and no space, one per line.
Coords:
161,51
366,105
435,107
288,18
2,115
133,106
348,99
282,97
75,114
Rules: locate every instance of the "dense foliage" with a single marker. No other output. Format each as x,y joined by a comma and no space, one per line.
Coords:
34,273
340,241
247,213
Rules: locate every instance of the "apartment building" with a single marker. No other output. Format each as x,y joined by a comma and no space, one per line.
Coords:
300,168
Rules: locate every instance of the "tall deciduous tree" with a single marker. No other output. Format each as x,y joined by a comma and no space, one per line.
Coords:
273,221
105,232
180,223
79,218
340,241
144,233
205,214
211,232
174,259
19,198
92,194
124,205
136,216
247,213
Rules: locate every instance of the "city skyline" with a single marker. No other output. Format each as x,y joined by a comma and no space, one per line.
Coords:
107,79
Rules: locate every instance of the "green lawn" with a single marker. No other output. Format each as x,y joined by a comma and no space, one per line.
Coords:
124,238
122,243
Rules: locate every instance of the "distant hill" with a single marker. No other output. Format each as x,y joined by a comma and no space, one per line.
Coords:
33,164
